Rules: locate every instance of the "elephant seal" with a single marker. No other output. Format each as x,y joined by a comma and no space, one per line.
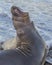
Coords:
31,53
32,50
18,24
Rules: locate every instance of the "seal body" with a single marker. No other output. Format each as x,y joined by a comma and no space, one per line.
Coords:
22,56
32,49
26,33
